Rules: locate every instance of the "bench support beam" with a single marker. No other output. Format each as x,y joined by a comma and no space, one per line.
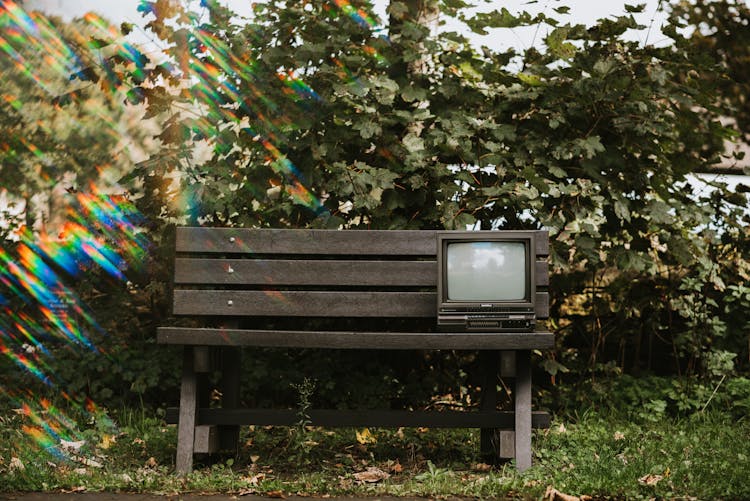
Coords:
188,411
523,410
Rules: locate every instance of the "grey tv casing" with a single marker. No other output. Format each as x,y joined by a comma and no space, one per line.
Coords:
486,315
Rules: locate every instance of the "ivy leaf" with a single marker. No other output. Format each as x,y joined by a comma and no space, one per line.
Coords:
367,128
413,143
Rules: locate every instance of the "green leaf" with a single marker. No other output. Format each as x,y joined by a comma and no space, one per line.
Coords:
413,143
530,79
367,128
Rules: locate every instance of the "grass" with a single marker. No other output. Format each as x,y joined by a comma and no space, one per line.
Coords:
705,456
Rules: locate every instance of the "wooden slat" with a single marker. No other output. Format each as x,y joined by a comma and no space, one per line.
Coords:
541,274
541,307
316,272
316,303
317,242
362,418
305,272
358,340
304,303
306,242
542,243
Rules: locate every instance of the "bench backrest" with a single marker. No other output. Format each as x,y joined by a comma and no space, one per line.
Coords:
233,272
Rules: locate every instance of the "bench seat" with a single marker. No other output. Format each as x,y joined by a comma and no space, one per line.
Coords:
357,340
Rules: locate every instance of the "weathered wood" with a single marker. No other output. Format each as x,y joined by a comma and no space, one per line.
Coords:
541,273
206,439
306,242
201,359
278,272
507,443
541,306
488,364
229,385
358,340
523,413
542,243
305,303
188,408
316,303
508,364
359,418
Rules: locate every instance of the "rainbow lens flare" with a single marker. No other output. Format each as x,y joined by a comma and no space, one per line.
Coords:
39,311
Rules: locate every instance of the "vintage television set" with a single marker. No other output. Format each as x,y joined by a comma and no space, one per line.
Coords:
486,281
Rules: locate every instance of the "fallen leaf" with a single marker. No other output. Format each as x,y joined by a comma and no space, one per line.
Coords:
650,479
72,446
276,494
107,441
88,462
151,462
481,467
80,488
246,492
619,436
255,479
365,437
81,471
254,459
553,494
562,428
371,475
396,467
16,465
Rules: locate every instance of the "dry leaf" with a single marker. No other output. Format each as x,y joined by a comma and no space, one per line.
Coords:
255,479
276,494
88,462
72,446
81,471
16,465
107,441
481,467
365,437
553,494
80,488
650,479
371,474
619,436
151,462
254,459
396,467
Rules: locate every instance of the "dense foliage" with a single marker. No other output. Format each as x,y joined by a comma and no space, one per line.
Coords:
315,114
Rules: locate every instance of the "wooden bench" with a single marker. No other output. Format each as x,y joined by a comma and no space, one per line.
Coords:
233,277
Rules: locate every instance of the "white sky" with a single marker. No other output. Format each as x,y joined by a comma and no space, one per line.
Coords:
581,11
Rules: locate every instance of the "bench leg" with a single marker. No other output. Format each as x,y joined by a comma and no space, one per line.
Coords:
231,359
188,410
489,366
523,410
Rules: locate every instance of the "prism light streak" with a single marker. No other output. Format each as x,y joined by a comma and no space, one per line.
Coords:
359,16
101,233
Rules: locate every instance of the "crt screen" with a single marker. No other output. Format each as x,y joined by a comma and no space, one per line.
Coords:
486,271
